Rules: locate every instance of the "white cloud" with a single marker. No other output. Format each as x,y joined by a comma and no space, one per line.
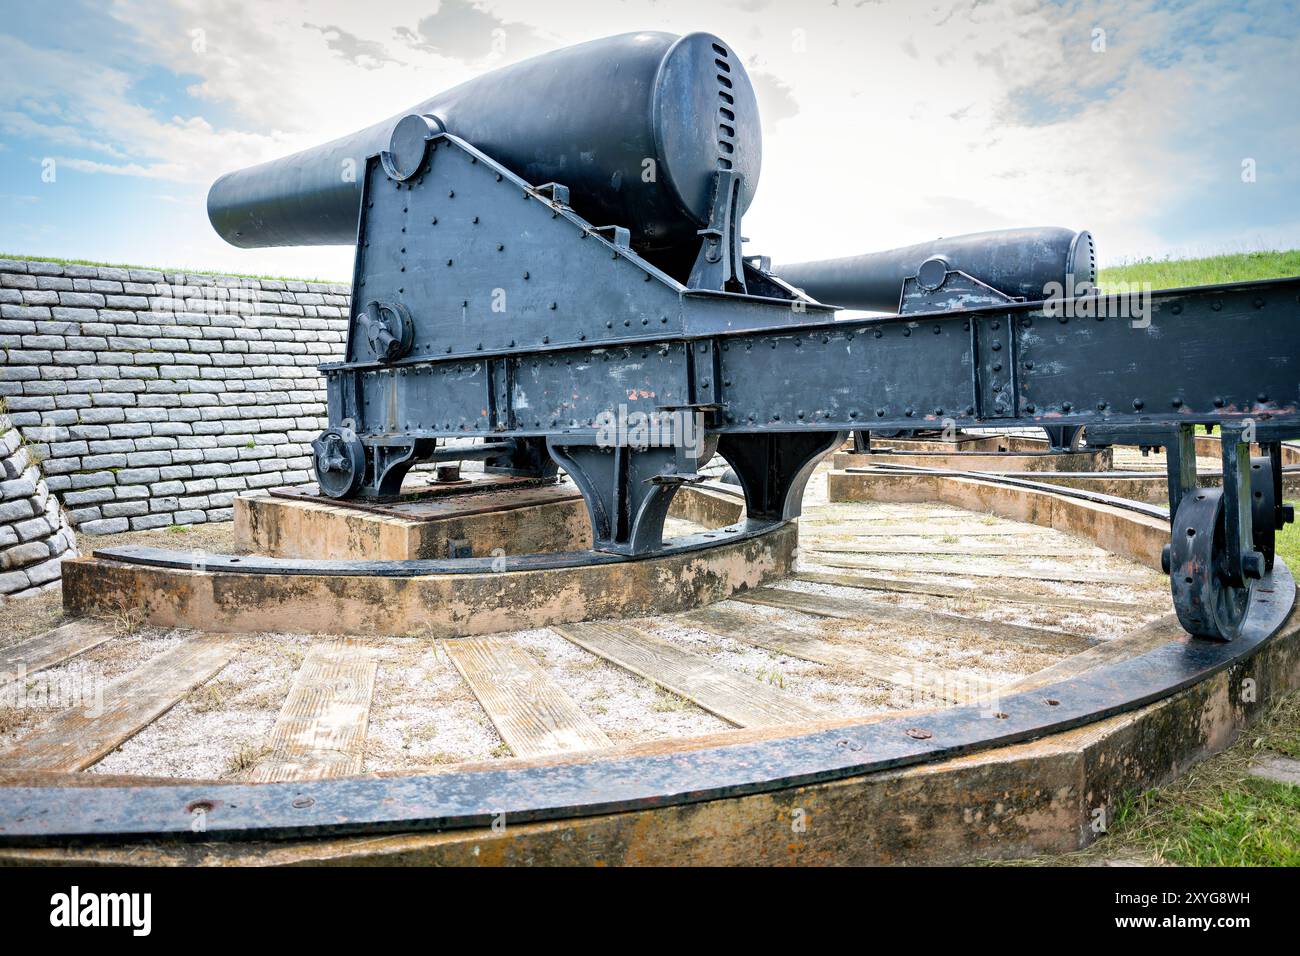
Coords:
150,171
887,123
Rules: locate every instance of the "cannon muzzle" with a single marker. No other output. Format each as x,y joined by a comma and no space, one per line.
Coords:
635,125
1019,263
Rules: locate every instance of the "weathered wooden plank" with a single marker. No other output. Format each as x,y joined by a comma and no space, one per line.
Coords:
838,515
926,681
935,589
938,530
533,714
1146,638
867,611
957,549
736,698
321,729
45,650
78,737
1056,574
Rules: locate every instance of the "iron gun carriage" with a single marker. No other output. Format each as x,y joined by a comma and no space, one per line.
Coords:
549,260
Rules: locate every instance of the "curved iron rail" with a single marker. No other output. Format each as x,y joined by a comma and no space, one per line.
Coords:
255,564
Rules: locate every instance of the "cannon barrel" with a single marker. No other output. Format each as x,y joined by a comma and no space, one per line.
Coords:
1017,262
635,125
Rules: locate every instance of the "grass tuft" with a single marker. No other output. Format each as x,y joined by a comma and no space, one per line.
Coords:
1175,273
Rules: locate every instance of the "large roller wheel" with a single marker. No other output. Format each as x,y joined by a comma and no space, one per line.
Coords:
1263,508
340,462
1208,604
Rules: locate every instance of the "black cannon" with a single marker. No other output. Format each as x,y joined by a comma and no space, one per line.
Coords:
956,272
982,268
548,259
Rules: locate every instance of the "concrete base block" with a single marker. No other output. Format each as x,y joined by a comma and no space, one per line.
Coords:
535,520
439,605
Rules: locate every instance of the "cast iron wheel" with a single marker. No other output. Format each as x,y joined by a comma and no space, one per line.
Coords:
340,462
1208,604
1263,508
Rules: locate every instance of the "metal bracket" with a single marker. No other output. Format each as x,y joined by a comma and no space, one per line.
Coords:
719,266
948,292
620,236
555,192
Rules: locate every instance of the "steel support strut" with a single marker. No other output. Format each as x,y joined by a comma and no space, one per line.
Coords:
774,468
628,488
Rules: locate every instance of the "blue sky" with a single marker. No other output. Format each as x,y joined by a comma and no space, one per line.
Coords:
885,123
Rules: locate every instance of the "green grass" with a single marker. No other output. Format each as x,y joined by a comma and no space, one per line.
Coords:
126,265
1215,814
1288,542
1173,273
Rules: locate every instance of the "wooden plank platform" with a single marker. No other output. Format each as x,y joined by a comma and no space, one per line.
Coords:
77,738
36,653
736,698
944,684
957,549
868,611
1057,574
838,514
1146,638
533,715
321,729
938,530
935,589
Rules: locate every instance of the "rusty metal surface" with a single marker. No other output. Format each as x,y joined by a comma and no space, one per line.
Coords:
376,805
